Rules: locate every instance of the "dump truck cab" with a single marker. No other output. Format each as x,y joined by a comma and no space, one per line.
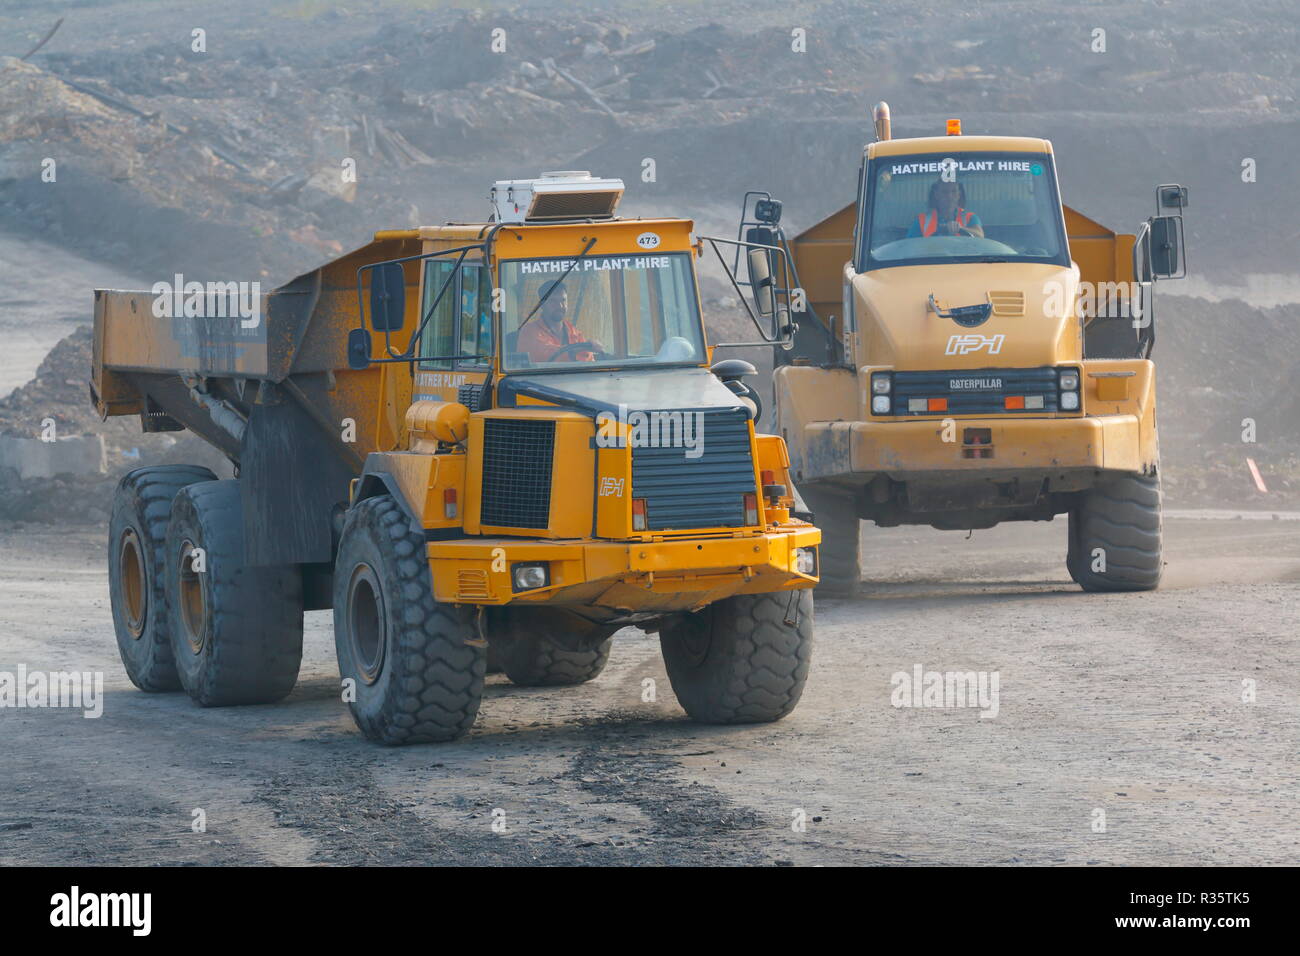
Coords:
975,353
503,437
570,359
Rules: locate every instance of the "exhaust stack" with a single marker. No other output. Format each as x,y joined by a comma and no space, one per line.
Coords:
880,113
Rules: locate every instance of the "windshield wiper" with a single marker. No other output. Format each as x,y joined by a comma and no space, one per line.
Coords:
559,282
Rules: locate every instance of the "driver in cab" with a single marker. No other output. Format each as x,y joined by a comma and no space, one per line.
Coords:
551,339
946,215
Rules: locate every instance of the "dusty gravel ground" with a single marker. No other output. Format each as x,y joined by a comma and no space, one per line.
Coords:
1130,704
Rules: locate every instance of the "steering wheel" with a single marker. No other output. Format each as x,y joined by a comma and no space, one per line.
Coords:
579,346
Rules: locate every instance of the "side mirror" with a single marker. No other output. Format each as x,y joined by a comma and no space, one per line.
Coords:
1163,253
760,280
732,373
358,349
387,297
785,329
768,210
1172,196
729,370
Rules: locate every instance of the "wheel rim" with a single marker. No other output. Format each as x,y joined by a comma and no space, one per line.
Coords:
135,591
367,630
193,600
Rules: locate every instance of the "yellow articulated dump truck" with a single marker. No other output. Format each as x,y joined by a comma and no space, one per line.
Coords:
497,439
976,354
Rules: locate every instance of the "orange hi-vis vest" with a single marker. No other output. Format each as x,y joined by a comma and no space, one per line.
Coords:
930,222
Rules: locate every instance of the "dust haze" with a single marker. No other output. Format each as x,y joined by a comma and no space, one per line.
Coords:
222,164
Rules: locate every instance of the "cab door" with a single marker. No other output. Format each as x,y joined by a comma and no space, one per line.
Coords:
456,346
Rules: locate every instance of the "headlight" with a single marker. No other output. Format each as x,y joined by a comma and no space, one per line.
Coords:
1070,401
880,383
1069,381
530,577
805,561
880,404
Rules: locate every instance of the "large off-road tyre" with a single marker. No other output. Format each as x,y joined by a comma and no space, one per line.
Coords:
1122,519
839,555
738,661
541,662
546,647
416,665
137,534
236,631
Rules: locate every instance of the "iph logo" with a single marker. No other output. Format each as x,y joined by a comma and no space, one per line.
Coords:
972,342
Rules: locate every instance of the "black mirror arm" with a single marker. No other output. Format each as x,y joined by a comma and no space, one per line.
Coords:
1145,286
361,310
739,294
1141,254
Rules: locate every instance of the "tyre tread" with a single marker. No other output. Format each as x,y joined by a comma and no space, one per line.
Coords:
1123,518
149,492
439,683
757,670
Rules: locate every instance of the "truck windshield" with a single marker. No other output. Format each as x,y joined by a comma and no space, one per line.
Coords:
609,310
970,207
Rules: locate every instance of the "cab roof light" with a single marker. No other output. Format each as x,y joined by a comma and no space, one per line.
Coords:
954,127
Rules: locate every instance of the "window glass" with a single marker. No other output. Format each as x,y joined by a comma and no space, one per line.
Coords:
970,207
475,314
439,337
624,309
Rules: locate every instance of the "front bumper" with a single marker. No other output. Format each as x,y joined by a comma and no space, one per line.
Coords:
623,576
901,448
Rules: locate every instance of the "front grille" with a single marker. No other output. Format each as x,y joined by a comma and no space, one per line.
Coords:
517,472
981,391
703,492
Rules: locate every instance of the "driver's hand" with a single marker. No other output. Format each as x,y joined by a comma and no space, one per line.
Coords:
951,227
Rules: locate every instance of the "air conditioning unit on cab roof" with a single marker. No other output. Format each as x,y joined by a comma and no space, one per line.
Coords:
552,196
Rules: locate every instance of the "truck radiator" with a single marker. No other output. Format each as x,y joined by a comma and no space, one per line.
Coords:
981,391
707,491
517,455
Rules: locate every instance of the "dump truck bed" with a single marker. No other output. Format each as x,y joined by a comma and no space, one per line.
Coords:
267,385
